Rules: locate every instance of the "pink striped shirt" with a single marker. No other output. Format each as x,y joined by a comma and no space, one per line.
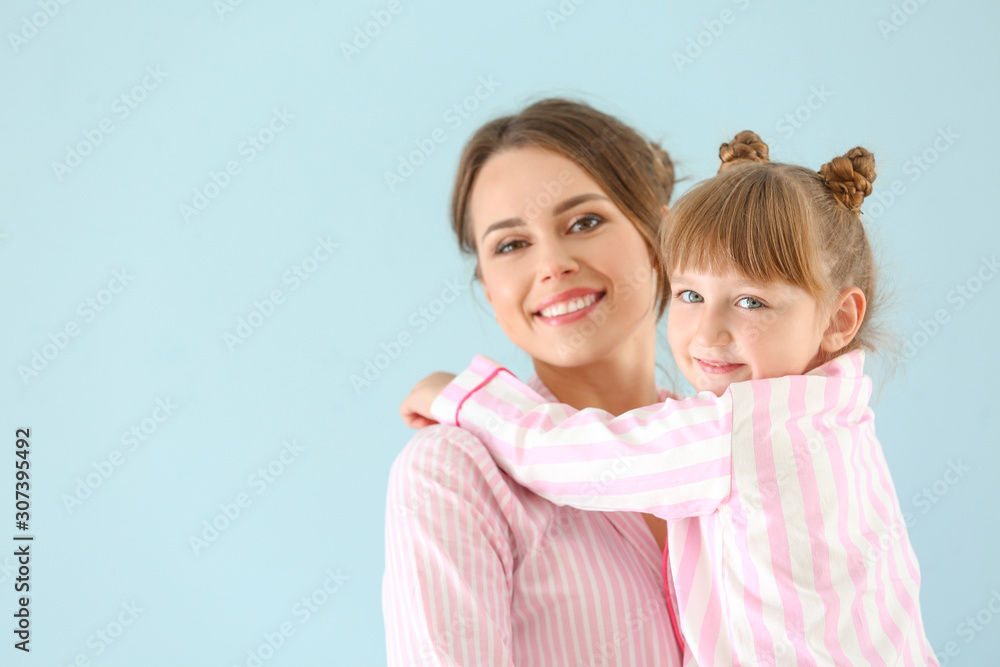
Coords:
785,540
481,571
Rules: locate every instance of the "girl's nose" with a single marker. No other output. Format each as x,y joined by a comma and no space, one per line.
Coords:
713,329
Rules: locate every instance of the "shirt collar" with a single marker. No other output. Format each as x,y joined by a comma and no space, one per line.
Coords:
848,365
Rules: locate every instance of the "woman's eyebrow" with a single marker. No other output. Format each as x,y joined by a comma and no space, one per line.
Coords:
567,204
559,208
503,224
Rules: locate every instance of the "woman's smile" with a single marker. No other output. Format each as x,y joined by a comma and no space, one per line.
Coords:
569,306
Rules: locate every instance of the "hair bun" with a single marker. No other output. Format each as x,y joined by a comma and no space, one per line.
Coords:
745,147
850,177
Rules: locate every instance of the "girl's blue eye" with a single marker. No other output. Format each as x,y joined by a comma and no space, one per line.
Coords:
588,222
690,296
750,303
510,246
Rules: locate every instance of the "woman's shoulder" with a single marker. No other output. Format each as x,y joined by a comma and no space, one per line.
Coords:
441,452
441,439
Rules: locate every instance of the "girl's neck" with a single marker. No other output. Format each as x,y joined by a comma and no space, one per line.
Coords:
615,385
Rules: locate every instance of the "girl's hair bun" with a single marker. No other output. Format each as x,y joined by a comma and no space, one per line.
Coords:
745,147
849,177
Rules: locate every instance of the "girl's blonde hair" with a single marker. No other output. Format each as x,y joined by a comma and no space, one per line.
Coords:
636,174
776,222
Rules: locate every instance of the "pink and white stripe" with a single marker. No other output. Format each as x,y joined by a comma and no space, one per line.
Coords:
785,540
481,571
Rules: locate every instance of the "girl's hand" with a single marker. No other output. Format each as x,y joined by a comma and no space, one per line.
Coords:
416,408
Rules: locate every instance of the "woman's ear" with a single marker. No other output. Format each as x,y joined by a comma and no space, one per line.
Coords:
845,320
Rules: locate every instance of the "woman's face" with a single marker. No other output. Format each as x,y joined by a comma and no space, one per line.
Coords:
568,275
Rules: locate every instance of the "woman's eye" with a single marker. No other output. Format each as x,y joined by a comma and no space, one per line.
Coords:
510,246
750,303
586,222
690,296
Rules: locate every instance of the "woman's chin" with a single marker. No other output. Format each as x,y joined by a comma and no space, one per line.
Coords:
563,353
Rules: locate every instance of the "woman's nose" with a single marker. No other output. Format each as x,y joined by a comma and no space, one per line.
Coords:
555,261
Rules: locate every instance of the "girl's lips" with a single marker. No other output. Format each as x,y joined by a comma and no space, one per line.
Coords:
569,318
717,367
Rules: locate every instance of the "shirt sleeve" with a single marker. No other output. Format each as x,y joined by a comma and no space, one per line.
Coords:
672,459
446,592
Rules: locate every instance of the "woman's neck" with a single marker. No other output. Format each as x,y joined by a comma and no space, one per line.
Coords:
613,385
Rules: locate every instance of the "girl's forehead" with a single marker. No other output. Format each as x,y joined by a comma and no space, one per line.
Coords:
720,268
727,275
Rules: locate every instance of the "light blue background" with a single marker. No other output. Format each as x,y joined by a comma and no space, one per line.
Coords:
323,176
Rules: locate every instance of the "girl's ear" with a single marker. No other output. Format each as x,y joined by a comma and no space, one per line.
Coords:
845,320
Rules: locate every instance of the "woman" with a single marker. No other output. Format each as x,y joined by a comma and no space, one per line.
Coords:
561,205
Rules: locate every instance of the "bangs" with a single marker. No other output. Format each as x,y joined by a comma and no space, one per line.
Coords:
751,220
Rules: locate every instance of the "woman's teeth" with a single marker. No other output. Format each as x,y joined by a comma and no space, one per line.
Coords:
570,306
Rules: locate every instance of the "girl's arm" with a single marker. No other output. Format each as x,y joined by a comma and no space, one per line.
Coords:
672,459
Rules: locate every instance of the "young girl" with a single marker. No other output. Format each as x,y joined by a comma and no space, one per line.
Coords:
785,539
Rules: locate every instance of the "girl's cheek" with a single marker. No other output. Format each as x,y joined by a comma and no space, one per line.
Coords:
752,335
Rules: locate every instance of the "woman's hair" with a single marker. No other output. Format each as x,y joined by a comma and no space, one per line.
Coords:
636,174
779,222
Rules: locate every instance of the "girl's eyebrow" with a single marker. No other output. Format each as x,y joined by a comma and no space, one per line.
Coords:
739,284
559,208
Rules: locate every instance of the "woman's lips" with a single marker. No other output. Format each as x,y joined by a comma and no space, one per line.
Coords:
717,367
569,318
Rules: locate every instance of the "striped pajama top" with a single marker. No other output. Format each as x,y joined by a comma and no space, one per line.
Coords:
785,540
481,571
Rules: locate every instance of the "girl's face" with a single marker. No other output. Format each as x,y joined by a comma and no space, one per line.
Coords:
568,275
723,329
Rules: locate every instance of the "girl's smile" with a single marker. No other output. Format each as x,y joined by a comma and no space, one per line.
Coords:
717,367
